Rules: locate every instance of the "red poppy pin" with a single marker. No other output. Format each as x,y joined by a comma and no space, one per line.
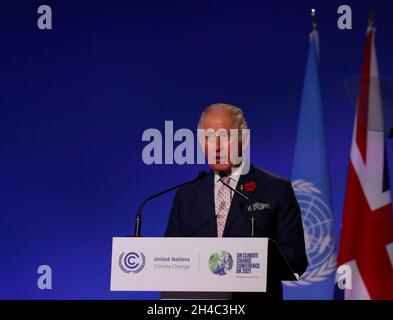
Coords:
250,186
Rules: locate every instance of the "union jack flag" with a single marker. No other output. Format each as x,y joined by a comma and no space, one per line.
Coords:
366,243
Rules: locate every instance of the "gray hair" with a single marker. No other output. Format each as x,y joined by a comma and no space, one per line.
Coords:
235,112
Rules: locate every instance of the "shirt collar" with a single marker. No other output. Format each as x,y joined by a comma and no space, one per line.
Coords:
235,174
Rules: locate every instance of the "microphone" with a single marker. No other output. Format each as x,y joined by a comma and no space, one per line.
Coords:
252,219
138,219
222,175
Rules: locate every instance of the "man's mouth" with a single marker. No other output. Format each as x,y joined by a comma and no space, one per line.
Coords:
221,160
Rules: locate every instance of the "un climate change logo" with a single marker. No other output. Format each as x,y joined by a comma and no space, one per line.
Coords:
220,263
318,234
132,262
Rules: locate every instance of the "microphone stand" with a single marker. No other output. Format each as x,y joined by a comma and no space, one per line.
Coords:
252,219
138,219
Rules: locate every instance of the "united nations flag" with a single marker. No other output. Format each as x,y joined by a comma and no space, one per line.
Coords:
310,180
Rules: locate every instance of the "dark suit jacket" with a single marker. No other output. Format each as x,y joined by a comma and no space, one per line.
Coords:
193,215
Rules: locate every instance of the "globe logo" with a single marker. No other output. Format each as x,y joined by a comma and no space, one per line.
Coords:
132,262
318,233
220,263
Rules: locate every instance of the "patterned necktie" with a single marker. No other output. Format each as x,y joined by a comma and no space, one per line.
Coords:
223,202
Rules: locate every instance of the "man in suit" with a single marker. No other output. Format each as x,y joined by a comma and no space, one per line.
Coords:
207,208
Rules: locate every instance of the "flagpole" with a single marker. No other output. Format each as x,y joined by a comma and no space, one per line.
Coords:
314,33
314,19
371,18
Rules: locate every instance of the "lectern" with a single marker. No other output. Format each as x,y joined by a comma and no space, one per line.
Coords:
182,268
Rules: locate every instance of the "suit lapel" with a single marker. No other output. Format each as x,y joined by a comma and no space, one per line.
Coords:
238,204
209,212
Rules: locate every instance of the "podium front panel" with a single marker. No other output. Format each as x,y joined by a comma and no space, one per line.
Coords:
189,264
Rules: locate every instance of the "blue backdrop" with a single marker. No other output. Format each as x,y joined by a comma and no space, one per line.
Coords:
75,100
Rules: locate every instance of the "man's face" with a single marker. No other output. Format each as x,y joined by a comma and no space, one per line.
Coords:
217,149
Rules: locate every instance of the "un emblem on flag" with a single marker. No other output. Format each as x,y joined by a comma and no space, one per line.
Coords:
318,233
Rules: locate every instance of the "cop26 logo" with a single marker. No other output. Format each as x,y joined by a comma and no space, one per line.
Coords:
132,262
318,233
221,263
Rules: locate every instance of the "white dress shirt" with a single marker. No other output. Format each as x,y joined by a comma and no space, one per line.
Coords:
234,179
